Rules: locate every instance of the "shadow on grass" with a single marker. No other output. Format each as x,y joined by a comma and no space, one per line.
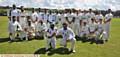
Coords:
4,40
40,51
7,39
51,52
91,40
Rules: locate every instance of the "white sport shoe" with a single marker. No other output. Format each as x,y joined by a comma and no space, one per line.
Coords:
73,51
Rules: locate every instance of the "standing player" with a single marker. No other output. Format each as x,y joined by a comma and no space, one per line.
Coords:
8,12
52,18
34,16
77,23
98,17
90,15
46,17
40,14
59,21
14,28
84,17
107,21
67,34
51,39
23,19
15,12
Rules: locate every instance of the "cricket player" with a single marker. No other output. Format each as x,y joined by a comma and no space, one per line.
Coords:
26,30
73,22
22,18
46,16
41,28
15,12
98,16
40,15
92,28
8,12
52,18
67,34
9,22
59,21
63,16
10,29
107,21
51,37
34,16
77,25
100,32
84,17
90,15
84,30
14,28
70,19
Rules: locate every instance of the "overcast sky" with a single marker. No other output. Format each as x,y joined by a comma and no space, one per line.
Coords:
82,4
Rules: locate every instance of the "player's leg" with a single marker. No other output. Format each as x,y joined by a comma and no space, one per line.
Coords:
72,49
63,42
53,43
48,41
107,31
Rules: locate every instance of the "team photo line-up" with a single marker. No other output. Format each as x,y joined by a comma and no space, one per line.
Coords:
70,23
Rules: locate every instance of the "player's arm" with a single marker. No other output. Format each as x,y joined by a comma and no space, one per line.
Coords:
73,20
36,17
67,20
108,20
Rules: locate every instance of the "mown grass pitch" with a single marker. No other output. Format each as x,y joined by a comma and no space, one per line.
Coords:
109,49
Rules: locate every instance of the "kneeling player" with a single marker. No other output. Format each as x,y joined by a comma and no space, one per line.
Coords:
51,39
67,34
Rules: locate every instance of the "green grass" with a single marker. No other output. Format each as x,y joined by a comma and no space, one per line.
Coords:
109,49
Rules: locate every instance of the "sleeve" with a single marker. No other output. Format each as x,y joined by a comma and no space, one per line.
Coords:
59,32
71,33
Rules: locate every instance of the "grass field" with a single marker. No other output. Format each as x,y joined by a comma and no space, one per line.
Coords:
109,49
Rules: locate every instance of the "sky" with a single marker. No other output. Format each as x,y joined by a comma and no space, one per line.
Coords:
61,4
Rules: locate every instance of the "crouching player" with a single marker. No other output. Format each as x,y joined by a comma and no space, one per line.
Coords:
92,29
40,29
100,33
67,34
84,30
51,37
30,30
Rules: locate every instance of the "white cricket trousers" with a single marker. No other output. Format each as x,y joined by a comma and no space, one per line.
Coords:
64,43
51,41
107,29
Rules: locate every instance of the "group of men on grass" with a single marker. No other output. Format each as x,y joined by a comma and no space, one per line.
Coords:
48,24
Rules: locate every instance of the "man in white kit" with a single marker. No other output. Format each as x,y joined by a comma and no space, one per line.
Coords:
67,34
15,12
40,29
14,28
51,37
107,21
